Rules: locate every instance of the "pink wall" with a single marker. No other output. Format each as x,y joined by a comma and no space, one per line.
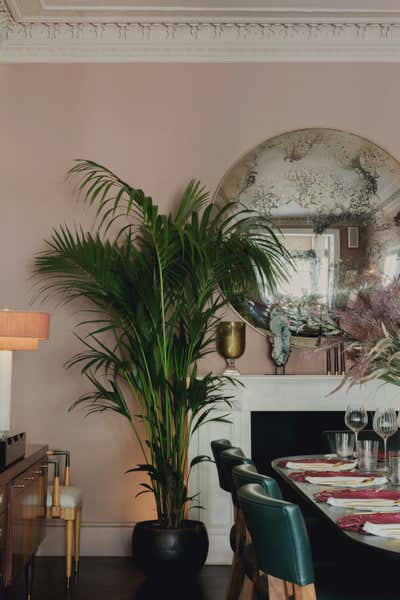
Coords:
157,126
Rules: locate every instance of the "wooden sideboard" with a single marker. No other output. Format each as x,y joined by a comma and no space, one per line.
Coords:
23,491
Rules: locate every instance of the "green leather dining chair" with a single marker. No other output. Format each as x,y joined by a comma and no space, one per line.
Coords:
217,447
231,458
280,539
257,586
247,473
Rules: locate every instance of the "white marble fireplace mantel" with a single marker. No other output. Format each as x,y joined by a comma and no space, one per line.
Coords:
306,392
266,393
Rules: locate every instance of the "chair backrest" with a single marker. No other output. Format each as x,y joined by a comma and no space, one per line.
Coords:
279,535
364,434
232,458
247,473
217,447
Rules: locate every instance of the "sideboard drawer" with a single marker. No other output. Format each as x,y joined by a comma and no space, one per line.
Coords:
27,509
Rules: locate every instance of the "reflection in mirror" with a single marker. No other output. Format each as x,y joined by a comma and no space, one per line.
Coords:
335,198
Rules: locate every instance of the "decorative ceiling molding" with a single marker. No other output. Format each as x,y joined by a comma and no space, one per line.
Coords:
192,40
158,10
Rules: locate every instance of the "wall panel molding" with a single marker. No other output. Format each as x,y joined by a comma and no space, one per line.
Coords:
211,41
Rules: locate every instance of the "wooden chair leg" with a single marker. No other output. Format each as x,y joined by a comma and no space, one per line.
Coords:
289,587
69,541
236,577
306,592
249,591
78,518
278,589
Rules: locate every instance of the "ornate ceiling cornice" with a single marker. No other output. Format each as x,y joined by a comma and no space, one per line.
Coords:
213,40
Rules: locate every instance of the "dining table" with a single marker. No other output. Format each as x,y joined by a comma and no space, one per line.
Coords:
332,513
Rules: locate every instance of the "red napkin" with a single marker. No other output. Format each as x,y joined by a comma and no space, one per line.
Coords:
363,494
356,522
328,461
301,475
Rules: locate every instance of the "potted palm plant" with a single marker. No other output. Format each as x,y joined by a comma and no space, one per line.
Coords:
156,284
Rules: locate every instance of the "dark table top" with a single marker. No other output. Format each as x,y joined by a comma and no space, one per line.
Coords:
332,513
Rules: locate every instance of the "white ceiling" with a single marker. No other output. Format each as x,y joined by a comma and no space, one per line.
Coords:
62,10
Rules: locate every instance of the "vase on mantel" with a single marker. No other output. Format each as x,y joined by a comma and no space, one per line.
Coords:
231,344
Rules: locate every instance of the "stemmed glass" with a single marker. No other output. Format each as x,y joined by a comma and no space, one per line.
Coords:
385,425
356,418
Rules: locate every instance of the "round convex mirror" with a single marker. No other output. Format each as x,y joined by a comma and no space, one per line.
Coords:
335,198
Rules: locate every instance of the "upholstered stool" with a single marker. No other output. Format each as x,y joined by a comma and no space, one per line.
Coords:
65,502
280,540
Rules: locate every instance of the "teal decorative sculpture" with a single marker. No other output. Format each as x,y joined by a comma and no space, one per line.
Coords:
279,327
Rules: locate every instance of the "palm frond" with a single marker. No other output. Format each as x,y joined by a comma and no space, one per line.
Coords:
155,285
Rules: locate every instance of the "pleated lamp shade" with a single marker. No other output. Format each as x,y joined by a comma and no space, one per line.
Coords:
19,330
22,330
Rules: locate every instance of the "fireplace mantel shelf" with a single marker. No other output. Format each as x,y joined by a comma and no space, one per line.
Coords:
307,392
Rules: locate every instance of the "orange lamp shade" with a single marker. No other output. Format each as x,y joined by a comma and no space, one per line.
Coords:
22,330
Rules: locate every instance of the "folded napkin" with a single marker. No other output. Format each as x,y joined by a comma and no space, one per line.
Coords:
356,522
361,495
390,530
345,481
368,505
318,464
302,476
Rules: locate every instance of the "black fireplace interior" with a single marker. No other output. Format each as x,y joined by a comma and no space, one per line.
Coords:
276,434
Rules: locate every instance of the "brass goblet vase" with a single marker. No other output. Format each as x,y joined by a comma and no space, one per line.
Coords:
231,343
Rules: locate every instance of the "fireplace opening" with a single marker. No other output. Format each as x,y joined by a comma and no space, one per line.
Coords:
275,434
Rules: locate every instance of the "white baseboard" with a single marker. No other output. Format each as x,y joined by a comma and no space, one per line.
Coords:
114,539
97,539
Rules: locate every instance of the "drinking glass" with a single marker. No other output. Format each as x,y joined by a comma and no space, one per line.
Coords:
356,418
344,444
367,451
385,425
394,468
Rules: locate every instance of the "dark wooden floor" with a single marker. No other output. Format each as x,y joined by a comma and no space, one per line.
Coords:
118,579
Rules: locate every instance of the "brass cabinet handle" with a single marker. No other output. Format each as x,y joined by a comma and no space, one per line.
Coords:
29,478
18,485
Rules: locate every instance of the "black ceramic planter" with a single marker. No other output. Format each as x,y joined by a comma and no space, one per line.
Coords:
182,551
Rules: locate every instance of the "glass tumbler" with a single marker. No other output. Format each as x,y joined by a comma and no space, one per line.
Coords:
394,468
368,451
344,444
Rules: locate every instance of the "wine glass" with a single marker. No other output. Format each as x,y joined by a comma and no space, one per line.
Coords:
356,418
385,425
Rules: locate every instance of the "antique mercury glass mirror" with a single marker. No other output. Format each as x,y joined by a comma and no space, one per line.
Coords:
335,198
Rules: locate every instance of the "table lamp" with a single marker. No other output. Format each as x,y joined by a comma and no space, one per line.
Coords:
18,331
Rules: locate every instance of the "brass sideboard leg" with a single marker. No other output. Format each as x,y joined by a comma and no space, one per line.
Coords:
78,518
29,573
69,540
